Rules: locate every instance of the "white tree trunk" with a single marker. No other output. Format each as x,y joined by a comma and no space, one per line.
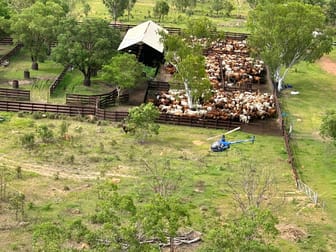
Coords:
188,93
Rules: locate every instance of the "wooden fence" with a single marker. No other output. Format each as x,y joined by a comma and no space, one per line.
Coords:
11,53
99,101
15,106
81,100
291,160
14,94
6,41
57,81
126,27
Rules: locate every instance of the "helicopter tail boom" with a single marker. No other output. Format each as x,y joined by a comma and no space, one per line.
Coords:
252,139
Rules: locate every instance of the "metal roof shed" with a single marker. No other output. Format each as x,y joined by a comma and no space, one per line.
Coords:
144,40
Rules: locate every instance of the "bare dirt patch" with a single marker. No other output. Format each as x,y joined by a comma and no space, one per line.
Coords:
291,232
327,65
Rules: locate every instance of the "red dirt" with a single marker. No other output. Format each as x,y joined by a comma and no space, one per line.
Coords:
327,65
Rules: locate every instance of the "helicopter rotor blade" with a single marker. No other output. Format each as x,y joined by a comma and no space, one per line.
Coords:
229,132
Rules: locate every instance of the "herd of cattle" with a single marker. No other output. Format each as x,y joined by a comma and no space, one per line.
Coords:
228,64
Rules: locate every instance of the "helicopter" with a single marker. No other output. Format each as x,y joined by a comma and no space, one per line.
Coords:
222,145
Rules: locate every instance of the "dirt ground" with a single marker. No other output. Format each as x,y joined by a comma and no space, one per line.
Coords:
327,65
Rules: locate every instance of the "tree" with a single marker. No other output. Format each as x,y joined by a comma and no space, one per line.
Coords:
123,77
306,37
19,5
86,46
130,6
183,5
328,125
251,186
116,8
217,5
201,28
331,12
189,63
161,9
117,215
141,120
36,28
162,217
248,232
161,177
4,18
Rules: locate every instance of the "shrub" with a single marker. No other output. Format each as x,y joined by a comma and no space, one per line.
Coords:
28,140
46,135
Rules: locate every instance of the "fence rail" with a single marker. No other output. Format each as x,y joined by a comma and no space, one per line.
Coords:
6,41
14,94
99,101
11,53
126,27
58,80
15,106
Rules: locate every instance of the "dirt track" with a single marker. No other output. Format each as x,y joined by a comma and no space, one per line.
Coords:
48,171
327,65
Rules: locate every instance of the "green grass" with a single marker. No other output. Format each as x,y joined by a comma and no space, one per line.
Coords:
143,10
314,155
21,62
104,149
332,54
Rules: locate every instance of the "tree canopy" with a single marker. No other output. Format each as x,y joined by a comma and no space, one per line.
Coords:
4,18
141,120
161,9
298,33
36,27
200,28
189,63
123,77
116,8
248,232
86,45
328,125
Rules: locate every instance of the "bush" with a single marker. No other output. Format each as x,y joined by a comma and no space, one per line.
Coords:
46,135
28,140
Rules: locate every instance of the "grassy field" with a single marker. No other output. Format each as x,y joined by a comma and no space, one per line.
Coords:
143,10
315,156
103,151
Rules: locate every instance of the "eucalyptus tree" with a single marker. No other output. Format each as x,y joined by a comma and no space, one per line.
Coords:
36,28
116,8
130,5
298,33
201,28
183,5
87,46
190,65
161,9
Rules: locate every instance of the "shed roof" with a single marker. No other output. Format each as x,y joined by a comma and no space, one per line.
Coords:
147,33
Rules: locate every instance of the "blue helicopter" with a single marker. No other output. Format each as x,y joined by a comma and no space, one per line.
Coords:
222,144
